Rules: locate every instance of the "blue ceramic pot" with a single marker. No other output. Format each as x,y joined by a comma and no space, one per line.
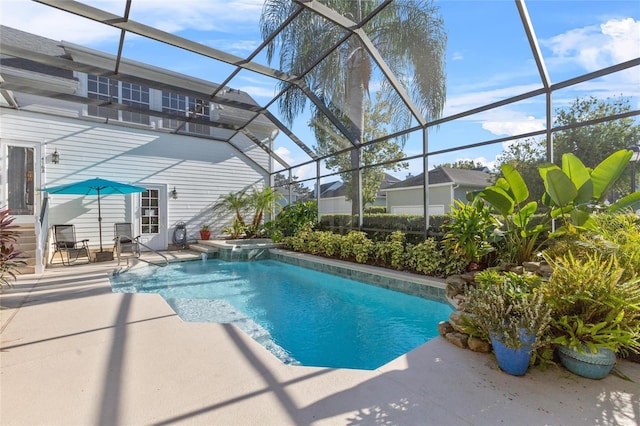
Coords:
586,364
513,361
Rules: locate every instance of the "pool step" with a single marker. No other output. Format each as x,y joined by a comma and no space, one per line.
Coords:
203,248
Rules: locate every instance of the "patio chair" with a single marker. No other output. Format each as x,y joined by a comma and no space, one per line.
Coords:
125,245
65,243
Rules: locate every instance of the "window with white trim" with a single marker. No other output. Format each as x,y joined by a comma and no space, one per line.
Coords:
184,106
109,90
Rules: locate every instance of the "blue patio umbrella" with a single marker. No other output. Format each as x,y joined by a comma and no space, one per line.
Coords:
97,187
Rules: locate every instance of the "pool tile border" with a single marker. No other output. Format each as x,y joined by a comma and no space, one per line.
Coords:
422,286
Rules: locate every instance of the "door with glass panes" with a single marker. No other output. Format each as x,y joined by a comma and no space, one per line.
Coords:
19,172
153,217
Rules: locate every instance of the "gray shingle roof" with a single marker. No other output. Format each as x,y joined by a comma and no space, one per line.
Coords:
439,175
339,188
31,42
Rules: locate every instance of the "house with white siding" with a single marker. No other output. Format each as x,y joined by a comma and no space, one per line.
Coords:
144,126
445,185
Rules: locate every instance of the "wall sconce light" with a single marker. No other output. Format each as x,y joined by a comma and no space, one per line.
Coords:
173,194
55,157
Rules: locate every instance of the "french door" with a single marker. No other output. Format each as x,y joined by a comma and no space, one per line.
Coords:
153,217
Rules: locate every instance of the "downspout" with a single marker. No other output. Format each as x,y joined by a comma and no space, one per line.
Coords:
453,192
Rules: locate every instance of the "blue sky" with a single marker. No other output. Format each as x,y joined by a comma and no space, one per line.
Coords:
488,57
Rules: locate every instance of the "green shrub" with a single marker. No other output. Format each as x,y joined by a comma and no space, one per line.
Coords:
470,231
431,258
425,257
338,223
592,303
375,210
391,252
613,234
437,225
296,216
452,264
356,245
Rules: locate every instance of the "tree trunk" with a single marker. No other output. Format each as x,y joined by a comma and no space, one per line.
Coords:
355,111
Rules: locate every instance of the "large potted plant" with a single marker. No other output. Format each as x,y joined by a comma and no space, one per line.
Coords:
509,309
596,311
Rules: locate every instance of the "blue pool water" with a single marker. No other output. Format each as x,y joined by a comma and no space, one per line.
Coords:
302,316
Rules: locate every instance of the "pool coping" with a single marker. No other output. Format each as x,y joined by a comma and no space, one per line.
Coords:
416,285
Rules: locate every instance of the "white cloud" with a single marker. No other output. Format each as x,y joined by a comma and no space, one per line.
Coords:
479,160
514,125
593,47
167,15
257,91
457,56
220,15
469,100
599,46
238,47
283,153
52,23
303,172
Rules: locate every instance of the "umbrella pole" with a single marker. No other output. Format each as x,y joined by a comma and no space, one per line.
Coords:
99,220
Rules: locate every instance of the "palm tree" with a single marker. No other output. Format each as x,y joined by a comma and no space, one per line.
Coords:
263,200
233,202
409,35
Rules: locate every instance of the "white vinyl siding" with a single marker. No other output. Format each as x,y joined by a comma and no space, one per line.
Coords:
201,170
412,199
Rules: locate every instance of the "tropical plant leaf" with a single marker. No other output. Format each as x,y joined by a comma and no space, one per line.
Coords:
518,186
579,217
503,184
580,176
558,185
522,218
630,201
499,199
608,171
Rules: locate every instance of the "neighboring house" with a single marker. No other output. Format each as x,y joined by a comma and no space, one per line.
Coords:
333,196
147,126
445,185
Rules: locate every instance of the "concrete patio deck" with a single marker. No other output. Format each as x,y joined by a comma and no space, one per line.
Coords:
74,353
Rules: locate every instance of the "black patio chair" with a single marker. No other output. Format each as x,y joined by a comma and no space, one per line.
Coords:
65,243
124,242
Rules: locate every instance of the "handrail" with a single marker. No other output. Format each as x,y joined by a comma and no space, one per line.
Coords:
42,233
166,260
140,243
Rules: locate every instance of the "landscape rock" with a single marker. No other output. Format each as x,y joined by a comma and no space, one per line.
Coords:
458,339
455,319
469,278
455,285
444,328
459,302
478,345
517,270
533,267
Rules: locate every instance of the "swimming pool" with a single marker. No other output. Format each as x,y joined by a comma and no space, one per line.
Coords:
304,317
